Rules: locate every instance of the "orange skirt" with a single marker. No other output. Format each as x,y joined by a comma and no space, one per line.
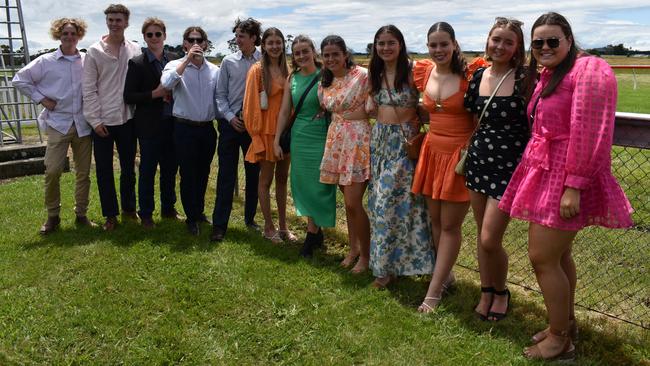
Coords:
434,174
261,148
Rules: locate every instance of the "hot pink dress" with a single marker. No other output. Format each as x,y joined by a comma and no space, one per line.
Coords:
571,146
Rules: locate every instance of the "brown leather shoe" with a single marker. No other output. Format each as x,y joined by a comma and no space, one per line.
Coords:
50,225
174,215
130,215
147,222
84,221
110,224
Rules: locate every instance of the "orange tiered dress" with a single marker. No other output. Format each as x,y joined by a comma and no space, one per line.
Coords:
261,124
449,131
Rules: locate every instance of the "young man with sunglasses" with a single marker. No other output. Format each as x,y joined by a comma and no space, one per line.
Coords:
153,123
104,108
232,133
193,82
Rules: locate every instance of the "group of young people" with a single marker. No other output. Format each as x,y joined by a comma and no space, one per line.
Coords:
506,136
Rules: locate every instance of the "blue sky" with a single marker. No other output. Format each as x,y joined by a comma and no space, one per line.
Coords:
595,23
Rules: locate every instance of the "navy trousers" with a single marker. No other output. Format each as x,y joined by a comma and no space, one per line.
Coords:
154,151
230,142
122,136
195,146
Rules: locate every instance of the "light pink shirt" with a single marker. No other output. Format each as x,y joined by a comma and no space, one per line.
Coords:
103,83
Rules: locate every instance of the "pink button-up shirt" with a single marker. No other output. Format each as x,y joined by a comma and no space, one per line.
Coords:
103,83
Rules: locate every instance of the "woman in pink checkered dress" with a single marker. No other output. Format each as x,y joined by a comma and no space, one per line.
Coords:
564,181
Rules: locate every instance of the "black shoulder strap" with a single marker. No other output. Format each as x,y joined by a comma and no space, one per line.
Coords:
304,94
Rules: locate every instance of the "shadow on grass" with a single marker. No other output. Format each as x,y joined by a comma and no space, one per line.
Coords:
170,233
525,317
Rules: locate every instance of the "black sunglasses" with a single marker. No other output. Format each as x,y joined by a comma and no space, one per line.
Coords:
551,42
194,40
151,34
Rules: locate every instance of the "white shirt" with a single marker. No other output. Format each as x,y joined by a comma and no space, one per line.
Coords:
194,91
103,83
56,77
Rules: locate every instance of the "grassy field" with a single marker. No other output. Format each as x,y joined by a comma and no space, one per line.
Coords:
162,297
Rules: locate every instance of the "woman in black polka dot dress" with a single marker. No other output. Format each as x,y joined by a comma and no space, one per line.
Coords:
494,151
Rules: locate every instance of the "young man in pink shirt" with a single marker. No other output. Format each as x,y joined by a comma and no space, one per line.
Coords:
104,108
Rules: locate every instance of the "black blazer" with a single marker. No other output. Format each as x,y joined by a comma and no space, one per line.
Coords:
141,78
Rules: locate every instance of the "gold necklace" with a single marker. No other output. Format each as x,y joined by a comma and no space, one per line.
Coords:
438,101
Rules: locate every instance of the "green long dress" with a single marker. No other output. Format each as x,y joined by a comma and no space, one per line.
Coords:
311,197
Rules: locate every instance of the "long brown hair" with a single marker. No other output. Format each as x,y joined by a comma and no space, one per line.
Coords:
376,67
266,59
565,66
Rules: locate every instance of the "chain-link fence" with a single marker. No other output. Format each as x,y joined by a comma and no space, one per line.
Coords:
612,264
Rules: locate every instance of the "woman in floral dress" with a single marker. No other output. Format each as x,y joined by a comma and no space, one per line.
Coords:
343,92
400,239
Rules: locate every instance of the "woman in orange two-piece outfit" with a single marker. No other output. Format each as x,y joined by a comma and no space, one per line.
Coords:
268,75
443,82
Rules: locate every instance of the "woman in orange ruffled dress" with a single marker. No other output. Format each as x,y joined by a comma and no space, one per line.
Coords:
443,82
260,119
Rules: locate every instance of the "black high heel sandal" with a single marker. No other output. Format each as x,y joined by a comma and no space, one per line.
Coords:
489,290
494,316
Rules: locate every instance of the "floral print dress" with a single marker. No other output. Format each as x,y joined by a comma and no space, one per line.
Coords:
347,150
400,238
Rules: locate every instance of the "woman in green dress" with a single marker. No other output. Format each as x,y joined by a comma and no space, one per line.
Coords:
315,200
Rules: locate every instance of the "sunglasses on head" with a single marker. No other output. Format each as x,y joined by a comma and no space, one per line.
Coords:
551,42
503,20
151,34
194,40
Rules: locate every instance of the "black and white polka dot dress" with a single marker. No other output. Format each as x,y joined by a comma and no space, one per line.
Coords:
496,147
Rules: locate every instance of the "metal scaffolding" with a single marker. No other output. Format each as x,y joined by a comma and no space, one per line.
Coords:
15,109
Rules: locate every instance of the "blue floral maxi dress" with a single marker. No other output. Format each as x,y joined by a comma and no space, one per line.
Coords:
400,237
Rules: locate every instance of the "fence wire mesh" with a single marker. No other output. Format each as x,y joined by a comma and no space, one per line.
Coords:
612,265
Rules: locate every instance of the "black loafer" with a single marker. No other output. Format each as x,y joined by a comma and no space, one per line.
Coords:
193,228
217,234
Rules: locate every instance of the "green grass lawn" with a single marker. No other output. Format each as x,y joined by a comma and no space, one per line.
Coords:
163,297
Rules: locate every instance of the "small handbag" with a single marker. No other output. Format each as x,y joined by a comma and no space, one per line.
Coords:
285,136
460,166
264,100
264,97
413,144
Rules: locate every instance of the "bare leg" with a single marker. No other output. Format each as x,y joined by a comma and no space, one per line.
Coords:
263,191
478,202
494,226
281,175
450,216
358,223
546,247
311,226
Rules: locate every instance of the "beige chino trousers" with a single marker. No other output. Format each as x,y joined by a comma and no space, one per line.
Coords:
55,154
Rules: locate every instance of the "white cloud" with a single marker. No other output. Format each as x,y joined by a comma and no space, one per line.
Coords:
595,23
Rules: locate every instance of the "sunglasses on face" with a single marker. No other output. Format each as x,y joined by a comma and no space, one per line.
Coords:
551,42
151,34
194,40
